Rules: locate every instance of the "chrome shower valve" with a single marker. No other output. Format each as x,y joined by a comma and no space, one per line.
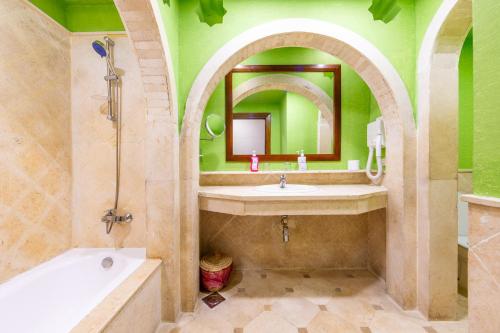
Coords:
111,217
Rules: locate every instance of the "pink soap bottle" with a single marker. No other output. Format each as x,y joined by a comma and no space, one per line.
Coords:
254,164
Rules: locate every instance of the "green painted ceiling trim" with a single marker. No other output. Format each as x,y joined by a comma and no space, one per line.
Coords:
86,2
83,15
90,18
384,10
53,8
211,11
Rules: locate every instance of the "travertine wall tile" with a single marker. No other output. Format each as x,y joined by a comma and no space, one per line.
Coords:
465,182
484,268
234,178
94,142
377,238
315,242
35,138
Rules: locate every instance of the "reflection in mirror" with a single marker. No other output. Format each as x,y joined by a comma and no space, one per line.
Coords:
279,110
252,133
278,122
215,126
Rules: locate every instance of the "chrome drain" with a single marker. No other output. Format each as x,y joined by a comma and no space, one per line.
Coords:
107,262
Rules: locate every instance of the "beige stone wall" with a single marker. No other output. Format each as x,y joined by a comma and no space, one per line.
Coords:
311,177
35,138
484,267
465,182
94,143
316,242
377,237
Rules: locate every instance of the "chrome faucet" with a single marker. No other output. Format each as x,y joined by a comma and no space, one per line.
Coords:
283,181
110,217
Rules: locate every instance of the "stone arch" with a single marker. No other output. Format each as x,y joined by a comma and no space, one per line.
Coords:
438,158
392,97
142,22
289,83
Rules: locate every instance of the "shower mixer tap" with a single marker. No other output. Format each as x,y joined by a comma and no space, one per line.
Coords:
111,217
112,77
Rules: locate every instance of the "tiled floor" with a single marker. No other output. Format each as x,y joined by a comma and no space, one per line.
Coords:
308,302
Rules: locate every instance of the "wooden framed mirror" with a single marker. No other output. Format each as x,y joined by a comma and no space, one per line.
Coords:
309,119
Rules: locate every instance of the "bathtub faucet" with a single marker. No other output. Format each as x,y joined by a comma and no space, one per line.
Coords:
111,217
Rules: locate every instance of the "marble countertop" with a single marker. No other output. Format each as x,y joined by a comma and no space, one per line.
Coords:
323,192
325,200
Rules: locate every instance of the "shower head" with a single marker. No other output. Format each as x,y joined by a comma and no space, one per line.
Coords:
100,48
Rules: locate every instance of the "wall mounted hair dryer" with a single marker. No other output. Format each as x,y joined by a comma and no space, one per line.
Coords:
376,141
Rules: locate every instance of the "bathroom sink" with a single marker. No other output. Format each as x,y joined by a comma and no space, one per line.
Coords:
289,188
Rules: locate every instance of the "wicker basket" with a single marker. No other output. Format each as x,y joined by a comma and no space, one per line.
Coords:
215,271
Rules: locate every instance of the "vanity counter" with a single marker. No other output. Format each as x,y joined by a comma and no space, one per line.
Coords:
325,200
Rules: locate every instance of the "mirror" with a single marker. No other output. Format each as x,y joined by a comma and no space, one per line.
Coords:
215,126
280,110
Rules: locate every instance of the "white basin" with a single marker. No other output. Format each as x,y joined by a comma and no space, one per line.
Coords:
289,188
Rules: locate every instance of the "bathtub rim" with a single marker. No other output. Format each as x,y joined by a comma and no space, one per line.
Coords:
63,259
104,313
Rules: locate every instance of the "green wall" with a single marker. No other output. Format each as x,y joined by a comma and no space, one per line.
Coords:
283,119
301,124
198,41
486,61
424,13
83,15
466,97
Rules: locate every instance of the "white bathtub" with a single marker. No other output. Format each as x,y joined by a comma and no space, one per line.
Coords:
55,296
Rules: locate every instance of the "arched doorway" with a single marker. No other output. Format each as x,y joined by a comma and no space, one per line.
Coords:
395,105
142,20
438,158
